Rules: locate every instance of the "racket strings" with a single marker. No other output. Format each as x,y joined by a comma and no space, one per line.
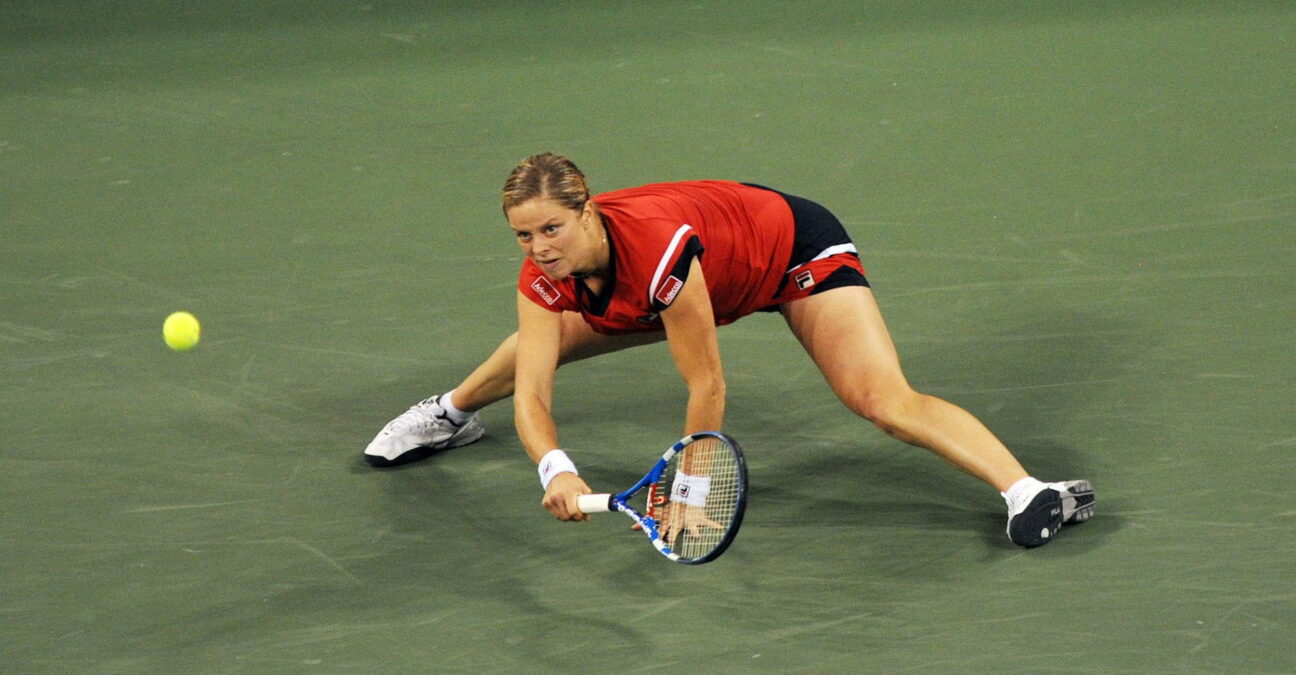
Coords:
704,527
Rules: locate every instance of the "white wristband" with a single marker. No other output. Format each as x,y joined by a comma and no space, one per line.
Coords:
692,490
553,463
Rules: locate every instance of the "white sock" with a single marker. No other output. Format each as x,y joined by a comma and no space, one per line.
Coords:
456,415
1020,494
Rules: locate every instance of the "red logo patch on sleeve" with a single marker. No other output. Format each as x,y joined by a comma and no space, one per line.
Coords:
669,289
545,289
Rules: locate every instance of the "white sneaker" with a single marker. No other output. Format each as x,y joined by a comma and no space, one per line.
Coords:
420,431
1036,518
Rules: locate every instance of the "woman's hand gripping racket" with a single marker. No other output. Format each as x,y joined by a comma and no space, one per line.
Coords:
694,498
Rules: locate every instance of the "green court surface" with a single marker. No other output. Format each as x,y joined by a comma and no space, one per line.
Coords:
1079,218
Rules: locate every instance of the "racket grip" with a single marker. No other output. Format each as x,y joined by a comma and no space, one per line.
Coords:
594,503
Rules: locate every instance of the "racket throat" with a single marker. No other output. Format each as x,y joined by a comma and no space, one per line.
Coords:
656,501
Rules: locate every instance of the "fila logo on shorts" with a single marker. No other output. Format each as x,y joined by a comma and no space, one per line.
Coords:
545,289
802,274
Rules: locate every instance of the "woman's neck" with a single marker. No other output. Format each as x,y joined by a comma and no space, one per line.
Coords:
596,278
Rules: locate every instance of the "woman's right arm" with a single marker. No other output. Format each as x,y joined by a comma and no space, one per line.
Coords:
538,345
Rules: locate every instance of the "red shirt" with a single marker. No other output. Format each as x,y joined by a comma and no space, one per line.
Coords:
743,235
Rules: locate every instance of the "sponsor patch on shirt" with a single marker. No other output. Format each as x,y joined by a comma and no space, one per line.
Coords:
669,289
545,289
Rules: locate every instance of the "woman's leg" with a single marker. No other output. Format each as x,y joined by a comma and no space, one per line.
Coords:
441,422
843,331
493,379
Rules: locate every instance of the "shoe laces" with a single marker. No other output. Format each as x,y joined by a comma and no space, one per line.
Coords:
421,416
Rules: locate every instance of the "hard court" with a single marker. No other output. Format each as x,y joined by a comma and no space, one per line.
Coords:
1078,218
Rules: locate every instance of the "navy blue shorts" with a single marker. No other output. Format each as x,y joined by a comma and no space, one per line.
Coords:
823,255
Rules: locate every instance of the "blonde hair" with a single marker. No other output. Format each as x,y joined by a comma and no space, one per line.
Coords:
546,175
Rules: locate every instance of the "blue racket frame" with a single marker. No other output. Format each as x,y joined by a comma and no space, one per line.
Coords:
648,524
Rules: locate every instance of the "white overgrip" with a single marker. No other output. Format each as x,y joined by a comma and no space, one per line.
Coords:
594,503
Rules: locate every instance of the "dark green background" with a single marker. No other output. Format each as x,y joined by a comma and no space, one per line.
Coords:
1078,217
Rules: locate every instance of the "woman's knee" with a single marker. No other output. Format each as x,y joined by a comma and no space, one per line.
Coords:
891,409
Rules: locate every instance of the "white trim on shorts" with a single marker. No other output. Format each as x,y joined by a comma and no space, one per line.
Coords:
827,253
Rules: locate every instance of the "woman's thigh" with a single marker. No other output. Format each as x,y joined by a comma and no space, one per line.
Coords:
843,331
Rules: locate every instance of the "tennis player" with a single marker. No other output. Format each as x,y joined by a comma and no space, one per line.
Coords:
673,261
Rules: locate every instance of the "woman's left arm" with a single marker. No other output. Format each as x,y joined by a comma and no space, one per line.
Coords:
691,334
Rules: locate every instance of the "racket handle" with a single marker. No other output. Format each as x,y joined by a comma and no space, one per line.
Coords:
594,503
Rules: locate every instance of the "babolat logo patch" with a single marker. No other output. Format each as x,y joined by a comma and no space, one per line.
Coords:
804,279
669,289
545,289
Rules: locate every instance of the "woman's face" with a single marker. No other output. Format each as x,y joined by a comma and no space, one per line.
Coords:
558,239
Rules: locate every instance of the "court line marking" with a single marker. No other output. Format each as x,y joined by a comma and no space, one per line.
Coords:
181,507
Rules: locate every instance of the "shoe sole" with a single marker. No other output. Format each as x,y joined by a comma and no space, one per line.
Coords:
1039,521
1077,501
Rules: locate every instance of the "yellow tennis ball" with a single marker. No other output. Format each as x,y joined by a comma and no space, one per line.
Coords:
181,331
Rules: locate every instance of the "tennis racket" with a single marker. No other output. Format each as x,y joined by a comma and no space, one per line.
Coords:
694,498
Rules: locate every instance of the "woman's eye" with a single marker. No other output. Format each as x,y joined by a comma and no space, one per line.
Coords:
550,229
